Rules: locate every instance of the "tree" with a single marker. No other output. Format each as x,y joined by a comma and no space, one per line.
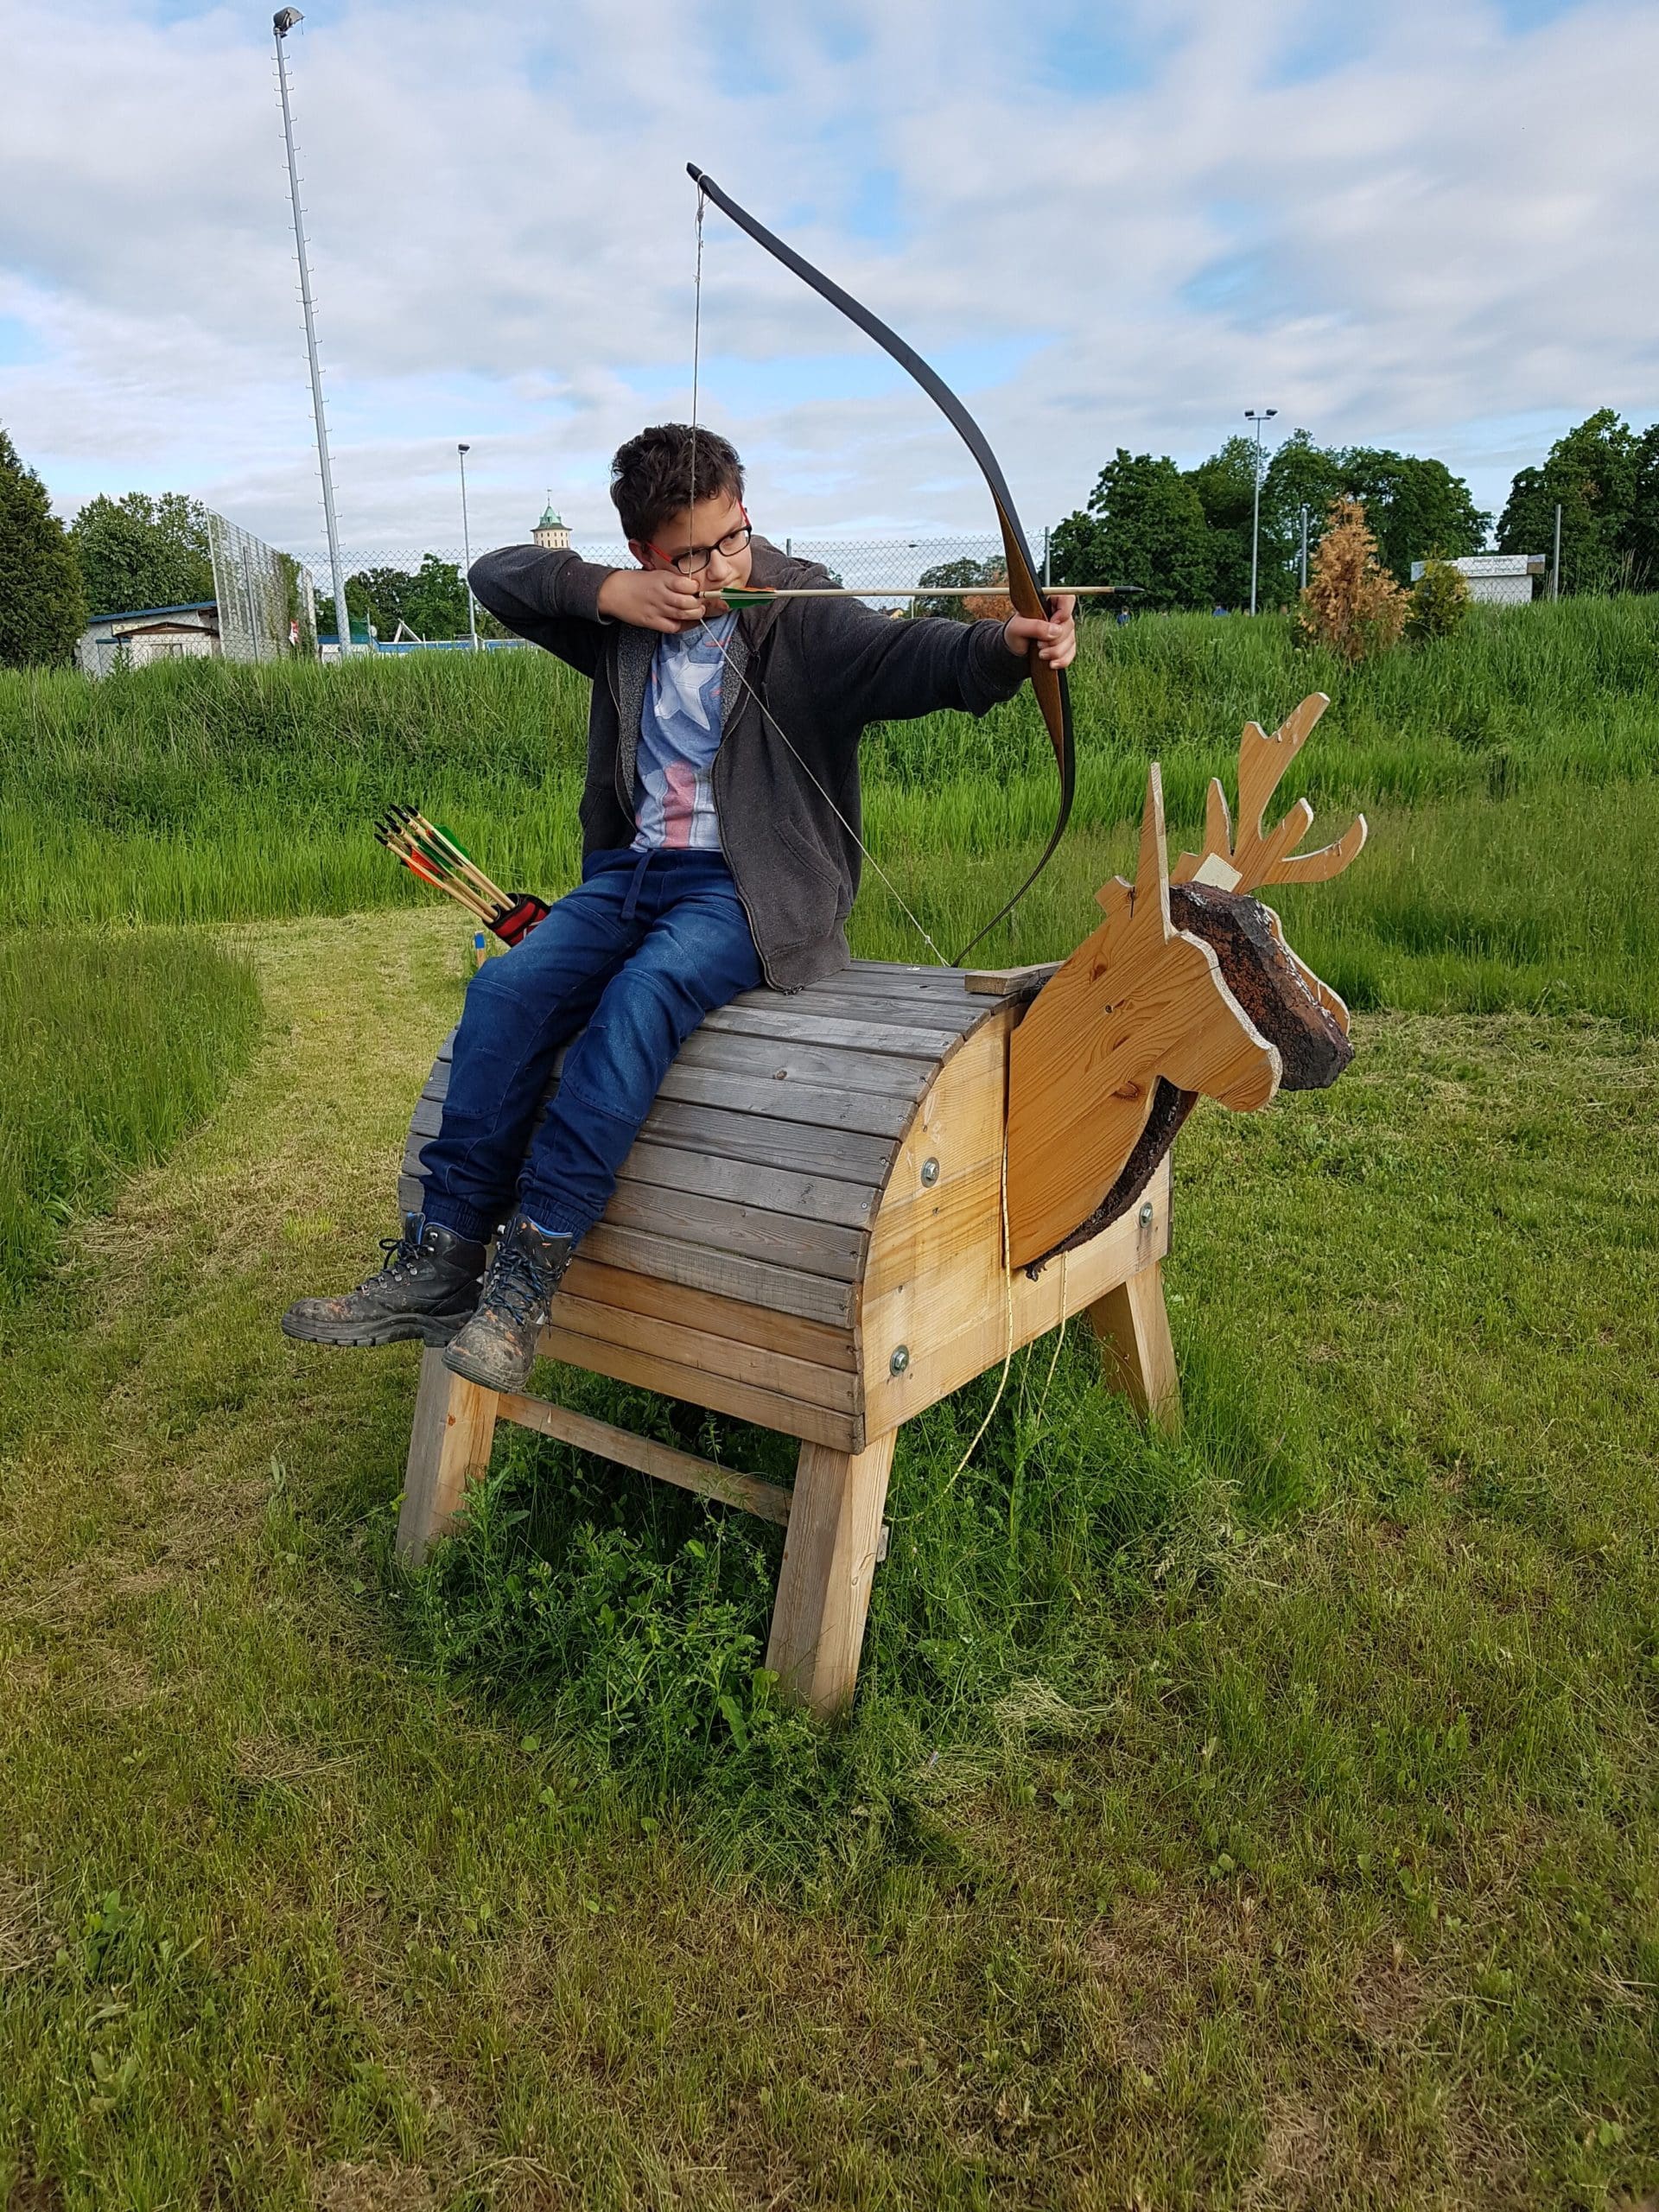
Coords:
434,604
960,574
1300,474
139,551
1225,484
1352,604
1143,525
1595,473
42,606
1416,507
1643,538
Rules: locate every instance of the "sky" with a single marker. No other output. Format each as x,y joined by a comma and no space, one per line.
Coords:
1426,224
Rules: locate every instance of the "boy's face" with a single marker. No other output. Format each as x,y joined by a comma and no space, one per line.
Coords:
699,532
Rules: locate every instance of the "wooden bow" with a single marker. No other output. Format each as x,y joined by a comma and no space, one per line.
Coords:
1022,586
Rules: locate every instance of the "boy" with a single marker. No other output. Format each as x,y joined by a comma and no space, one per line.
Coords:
719,823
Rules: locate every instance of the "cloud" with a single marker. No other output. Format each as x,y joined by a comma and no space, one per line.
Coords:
1424,226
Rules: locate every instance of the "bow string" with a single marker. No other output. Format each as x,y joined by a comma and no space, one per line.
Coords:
1025,592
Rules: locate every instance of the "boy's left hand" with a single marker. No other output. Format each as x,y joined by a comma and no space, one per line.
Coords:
1054,640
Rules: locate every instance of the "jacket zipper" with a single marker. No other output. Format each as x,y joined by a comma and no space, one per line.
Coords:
748,916
625,799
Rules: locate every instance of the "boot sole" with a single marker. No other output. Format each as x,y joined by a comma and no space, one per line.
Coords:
473,1371
435,1331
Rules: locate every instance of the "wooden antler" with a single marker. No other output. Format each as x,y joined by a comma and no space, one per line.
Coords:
1263,856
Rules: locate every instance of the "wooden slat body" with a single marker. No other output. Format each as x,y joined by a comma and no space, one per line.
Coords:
772,1244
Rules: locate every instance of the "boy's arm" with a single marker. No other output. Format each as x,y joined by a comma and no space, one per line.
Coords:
894,670
550,598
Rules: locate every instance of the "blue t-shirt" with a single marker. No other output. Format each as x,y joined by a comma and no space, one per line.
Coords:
679,735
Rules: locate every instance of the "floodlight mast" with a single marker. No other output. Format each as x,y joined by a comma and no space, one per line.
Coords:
1258,416
282,22
463,449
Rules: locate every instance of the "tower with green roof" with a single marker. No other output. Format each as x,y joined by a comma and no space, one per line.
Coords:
552,531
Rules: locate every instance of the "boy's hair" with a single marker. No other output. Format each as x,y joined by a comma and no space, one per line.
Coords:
650,476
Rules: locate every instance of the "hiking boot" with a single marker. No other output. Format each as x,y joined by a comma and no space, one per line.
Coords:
427,1289
497,1348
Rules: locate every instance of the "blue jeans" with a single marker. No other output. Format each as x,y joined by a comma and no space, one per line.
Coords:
627,964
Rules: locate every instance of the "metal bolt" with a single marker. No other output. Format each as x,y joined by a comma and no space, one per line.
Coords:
900,1361
1146,1214
929,1173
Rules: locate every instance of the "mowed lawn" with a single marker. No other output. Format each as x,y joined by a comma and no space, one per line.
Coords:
1265,1822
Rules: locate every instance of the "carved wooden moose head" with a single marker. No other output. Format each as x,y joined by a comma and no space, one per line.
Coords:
1187,989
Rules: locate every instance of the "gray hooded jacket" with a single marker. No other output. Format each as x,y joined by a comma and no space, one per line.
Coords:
807,676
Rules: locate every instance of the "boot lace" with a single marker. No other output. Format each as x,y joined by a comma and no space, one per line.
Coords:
402,1252
518,1285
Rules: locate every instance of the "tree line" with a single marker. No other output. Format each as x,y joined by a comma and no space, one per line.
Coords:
1181,538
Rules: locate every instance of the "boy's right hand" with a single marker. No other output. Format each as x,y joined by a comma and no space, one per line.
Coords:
652,599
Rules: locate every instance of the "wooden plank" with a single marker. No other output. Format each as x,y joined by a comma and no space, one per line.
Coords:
829,1556
871,1148
820,1199
1007,982
694,1386
808,1026
750,1232
648,1456
917,1013
837,1068
761,1364
873,1110
826,1299
770,1143
449,1447
872,1113
1133,1324
886,978
700,1309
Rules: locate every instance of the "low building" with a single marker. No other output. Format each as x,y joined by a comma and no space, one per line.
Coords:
1497,579
552,531
143,634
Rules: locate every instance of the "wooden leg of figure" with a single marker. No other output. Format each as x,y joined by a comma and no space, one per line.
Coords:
829,1553
449,1447
1140,1360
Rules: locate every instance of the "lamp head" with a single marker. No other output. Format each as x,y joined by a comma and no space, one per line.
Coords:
284,20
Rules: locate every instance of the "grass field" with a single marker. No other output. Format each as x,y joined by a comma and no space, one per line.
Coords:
1268,1820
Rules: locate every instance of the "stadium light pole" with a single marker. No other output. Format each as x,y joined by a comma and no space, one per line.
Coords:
1258,416
282,22
466,549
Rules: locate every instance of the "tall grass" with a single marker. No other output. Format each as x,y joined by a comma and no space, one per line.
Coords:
203,792
112,1049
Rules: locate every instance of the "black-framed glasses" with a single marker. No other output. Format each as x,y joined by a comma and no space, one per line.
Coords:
696,558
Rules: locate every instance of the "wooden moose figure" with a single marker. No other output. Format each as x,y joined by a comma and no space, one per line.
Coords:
845,1201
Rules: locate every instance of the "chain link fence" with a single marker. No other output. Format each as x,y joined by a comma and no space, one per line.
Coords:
419,599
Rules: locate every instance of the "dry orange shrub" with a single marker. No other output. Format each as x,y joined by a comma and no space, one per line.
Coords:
1351,603
991,605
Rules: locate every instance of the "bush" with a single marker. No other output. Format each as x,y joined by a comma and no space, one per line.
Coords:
1352,604
1440,602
